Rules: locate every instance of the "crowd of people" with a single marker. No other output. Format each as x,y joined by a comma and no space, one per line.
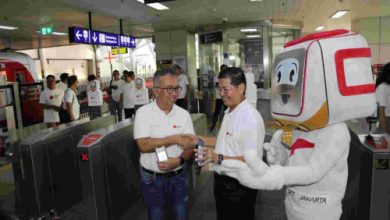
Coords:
61,104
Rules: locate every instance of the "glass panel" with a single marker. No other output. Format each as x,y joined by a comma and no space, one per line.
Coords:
246,51
211,59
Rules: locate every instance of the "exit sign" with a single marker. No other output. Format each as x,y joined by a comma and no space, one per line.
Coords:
48,30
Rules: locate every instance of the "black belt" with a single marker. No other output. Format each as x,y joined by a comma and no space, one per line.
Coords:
168,174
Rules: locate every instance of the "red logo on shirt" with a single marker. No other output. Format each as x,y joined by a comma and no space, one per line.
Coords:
174,126
51,97
300,143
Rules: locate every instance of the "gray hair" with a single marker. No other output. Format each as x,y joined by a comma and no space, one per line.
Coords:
160,73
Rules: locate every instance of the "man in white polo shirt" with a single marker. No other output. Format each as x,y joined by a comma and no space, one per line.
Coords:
240,137
50,101
163,124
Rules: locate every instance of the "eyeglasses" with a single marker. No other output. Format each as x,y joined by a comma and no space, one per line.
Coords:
170,90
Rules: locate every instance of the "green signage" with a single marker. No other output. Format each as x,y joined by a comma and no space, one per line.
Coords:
47,30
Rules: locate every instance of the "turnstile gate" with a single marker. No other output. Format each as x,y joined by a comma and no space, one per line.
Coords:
46,168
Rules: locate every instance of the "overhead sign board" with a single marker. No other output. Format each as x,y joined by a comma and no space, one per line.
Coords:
211,37
86,36
119,50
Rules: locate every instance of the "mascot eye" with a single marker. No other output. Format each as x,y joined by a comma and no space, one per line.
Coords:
292,75
279,76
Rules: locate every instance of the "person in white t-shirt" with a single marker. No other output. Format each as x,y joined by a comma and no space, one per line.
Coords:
71,101
127,96
50,101
95,97
115,91
141,94
63,85
382,94
183,82
240,137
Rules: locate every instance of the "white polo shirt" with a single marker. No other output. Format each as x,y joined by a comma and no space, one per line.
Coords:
241,130
70,96
128,97
51,97
62,86
382,94
182,80
115,93
151,121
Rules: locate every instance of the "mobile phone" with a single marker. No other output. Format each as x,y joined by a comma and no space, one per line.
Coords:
200,146
161,154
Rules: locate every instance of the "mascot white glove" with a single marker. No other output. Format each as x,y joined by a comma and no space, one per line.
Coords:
276,152
262,177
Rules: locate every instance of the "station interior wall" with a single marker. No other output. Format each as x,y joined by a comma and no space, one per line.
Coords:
170,44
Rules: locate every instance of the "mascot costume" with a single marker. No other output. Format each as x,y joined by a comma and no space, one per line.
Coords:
319,81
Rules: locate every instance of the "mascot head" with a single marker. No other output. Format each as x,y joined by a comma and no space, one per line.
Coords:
139,83
322,78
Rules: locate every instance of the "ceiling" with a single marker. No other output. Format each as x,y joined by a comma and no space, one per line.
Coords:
193,15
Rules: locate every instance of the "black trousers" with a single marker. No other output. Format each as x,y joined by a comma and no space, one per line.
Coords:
217,110
64,116
233,200
129,112
182,103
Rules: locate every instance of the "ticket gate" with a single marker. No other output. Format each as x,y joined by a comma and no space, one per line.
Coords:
46,168
374,185
109,172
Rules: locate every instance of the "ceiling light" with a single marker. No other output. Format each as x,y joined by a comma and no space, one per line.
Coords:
253,36
59,33
339,13
7,27
319,28
249,30
54,33
158,6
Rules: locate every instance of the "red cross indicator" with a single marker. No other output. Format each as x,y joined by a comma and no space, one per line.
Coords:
84,156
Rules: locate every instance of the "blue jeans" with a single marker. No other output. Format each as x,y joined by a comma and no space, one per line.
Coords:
162,193
116,109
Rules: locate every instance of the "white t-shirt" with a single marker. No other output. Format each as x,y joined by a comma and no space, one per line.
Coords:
115,94
51,97
182,80
128,97
382,94
151,121
70,96
241,130
141,96
62,86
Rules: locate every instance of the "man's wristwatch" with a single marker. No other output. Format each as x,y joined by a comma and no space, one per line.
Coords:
220,159
181,161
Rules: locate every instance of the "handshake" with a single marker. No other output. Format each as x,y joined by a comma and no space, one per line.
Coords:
254,172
